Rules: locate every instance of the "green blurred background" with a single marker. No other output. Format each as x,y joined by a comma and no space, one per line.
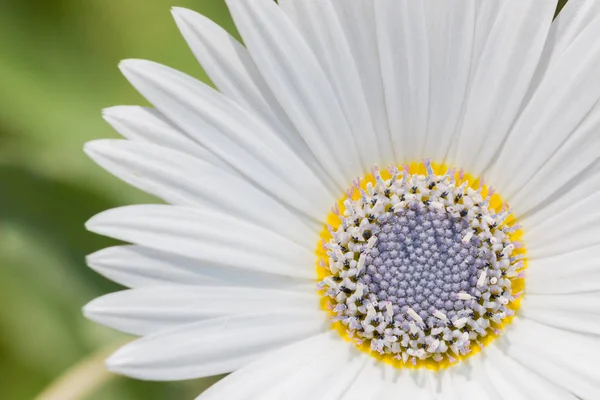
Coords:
58,69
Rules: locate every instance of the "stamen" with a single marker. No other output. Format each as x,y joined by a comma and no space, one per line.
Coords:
414,315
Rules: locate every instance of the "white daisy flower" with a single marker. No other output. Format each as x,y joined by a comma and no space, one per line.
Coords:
329,232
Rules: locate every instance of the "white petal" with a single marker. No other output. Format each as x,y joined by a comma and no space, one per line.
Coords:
501,76
578,312
294,75
234,73
320,26
150,310
576,160
181,179
378,380
206,236
572,272
566,358
412,384
343,376
514,381
575,227
251,382
560,192
574,17
367,384
486,15
214,346
402,34
358,22
143,124
569,91
382,381
233,134
451,31
467,380
228,65
137,267
324,377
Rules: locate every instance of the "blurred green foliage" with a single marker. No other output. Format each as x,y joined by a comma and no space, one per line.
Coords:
58,69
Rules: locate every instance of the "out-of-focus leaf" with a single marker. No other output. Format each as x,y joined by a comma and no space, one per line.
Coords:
55,211
38,313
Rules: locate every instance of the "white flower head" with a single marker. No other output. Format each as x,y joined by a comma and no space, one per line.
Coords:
328,231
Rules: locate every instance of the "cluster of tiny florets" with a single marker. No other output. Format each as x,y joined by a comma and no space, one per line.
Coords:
421,266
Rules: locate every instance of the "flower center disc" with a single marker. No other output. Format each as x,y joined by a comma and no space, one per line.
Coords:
421,268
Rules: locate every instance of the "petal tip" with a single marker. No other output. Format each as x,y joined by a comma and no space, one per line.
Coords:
97,147
117,362
90,148
88,311
134,65
94,260
181,12
114,111
95,223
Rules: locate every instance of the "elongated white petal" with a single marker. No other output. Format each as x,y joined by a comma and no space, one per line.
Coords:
466,380
577,226
574,17
320,26
233,134
411,383
402,34
451,38
570,272
184,180
578,312
574,165
566,358
555,200
343,375
229,65
367,384
319,378
564,99
214,346
251,381
206,236
486,12
501,76
143,124
377,380
513,381
150,310
233,71
357,19
138,267
293,73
